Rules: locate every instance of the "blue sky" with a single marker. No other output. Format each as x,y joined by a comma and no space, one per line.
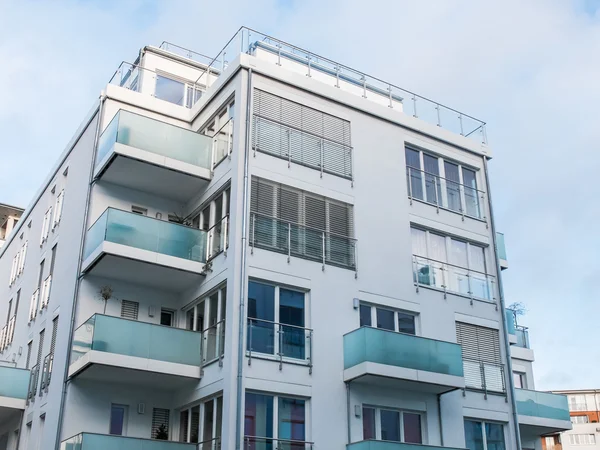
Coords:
530,69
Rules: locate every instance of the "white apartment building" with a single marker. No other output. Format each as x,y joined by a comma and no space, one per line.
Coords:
265,250
9,216
584,407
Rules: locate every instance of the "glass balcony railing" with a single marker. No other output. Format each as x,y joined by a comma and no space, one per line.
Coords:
542,404
402,350
453,279
501,246
389,445
14,382
445,194
302,242
146,233
510,321
156,137
91,441
140,339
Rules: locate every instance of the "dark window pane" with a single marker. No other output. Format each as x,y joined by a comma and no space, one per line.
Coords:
385,319
365,316
452,186
292,425
473,435
368,423
390,425
494,434
432,182
291,307
166,318
258,421
117,419
406,323
412,428
413,166
261,305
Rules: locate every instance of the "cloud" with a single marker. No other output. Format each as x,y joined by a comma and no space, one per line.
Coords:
528,68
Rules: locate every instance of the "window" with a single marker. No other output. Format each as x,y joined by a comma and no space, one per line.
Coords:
450,264
579,419
387,319
129,309
276,321
220,128
40,347
22,256
213,218
192,430
443,183
482,361
28,359
287,422
177,92
58,206
160,424
167,317
46,225
301,224
303,135
118,420
392,425
208,317
519,380
139,210
577,402
484,435
582,439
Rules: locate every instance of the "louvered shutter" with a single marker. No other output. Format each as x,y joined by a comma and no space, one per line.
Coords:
304,135
58,208
129,309
22,257
160,423
482,360
54,331
40,347
183,425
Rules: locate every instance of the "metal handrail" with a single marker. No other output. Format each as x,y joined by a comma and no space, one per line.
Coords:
485,386
296,224
277,351
453,265
33,381
249,439
217,443
229,123
224,223
169,47
219,343
412,168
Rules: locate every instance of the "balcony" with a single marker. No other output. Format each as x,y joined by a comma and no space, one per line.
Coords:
92,441
542,413
152,156
501,251
389,445
14,388
453,279
127,351
303,242
403,361
144,250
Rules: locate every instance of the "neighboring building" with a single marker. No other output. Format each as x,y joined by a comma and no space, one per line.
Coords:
584,407
9,216
266,250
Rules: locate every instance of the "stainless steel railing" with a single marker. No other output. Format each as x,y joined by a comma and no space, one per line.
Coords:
33,382
210,444
484,376
218,238
303,242
46,372
266,443
454,279
446,194
280,341
213,344
222,143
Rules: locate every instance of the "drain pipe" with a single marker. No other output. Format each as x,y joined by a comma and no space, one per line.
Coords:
511,383
240,359
79,263
348,414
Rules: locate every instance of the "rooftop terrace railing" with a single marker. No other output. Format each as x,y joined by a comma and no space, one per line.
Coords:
250,41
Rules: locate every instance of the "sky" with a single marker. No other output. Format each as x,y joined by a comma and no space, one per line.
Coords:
530,69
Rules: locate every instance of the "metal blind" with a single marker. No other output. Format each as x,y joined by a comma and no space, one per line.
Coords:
183,425
28,360
160,423
40,347
54,331
299,207
301,134
479,343
129,309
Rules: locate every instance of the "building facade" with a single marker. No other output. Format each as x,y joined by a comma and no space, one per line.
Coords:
9,216
262,250
584,408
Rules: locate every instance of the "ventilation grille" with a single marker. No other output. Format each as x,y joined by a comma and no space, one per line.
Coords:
129,309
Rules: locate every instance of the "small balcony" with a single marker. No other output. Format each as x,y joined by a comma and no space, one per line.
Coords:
144,250
92,441
14,387
542,413
389,445
126,351
403,361
153,156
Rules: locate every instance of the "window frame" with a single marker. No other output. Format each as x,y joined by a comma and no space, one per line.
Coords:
401,411
483,430
373,313
216,433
